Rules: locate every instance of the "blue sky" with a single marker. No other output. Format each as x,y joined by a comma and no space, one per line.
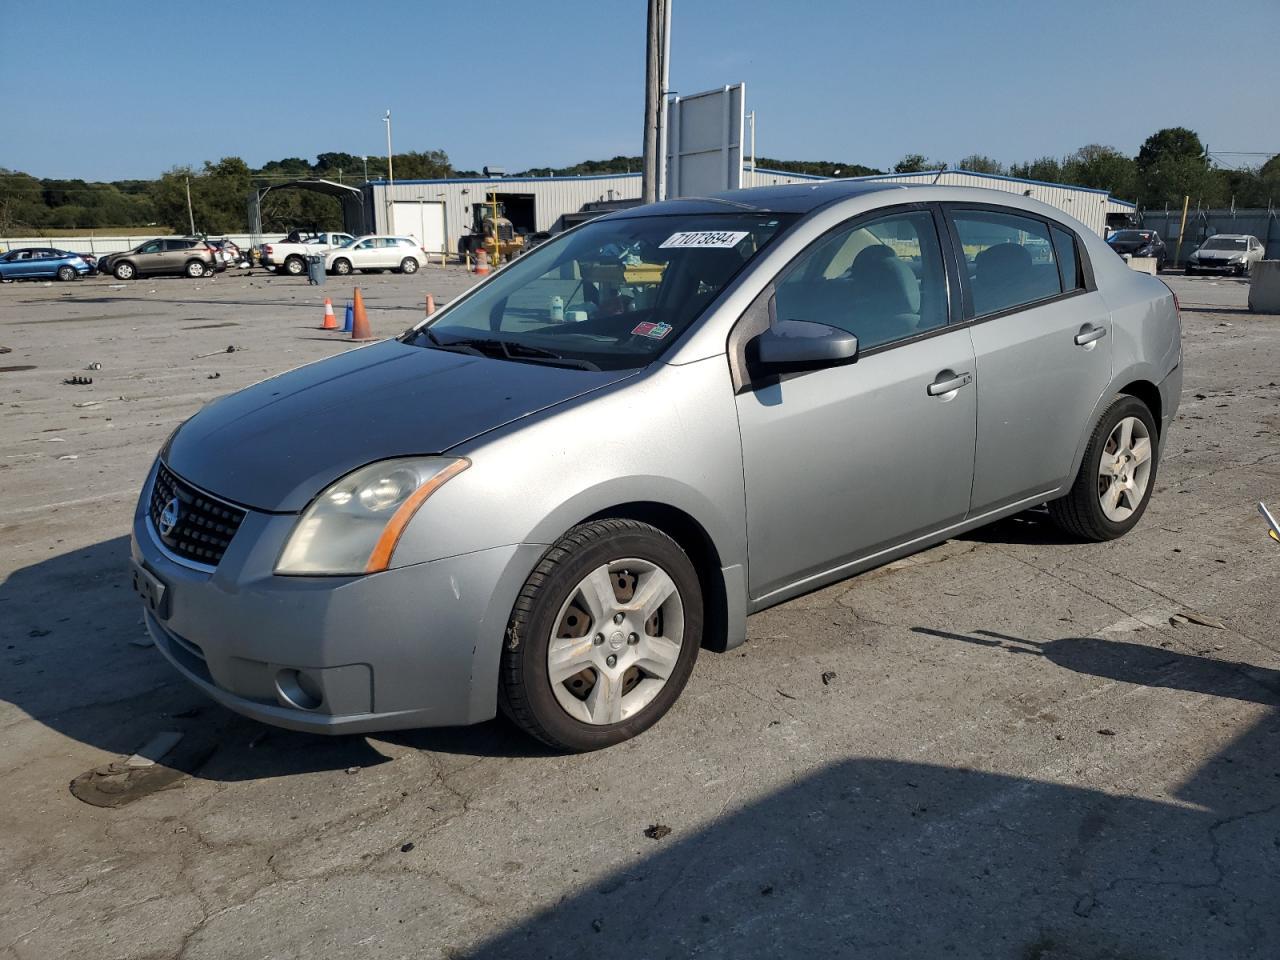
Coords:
127,89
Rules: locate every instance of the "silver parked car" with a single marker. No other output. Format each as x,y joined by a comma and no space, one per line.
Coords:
1226,253
549,495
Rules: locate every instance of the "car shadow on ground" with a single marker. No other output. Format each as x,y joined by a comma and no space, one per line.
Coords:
888,859
70,660
1027,527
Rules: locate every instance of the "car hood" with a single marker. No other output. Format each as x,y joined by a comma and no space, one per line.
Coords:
277,444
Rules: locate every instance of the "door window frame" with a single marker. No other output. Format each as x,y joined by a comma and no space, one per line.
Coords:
761,315
1088,281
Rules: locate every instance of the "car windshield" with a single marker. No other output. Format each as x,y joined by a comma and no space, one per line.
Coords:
611,295
1225,243
1130,235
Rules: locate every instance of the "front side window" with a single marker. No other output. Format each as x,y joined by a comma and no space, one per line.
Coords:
1009,259
152,247
613,294
881,280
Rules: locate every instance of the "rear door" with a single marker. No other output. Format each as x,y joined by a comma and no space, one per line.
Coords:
845,462
1043,344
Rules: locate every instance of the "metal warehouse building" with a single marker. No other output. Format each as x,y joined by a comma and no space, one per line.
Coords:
438,212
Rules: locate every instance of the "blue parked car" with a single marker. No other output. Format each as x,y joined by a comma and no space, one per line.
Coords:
31,263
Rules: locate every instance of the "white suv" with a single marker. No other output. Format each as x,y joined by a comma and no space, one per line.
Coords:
1229,252
376,253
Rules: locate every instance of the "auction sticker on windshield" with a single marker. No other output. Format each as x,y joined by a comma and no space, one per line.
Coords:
704,238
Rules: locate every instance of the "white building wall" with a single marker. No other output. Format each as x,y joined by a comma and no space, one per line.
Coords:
553,197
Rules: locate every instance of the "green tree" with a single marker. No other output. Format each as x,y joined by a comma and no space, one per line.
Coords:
1048,169
1171,164
917,163
817,168
1103,168
978,163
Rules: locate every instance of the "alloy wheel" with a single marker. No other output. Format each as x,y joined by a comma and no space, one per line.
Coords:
617,640
1124,469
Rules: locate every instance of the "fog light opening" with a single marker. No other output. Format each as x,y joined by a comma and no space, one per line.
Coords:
297,689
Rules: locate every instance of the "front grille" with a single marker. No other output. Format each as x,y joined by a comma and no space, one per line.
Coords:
204,526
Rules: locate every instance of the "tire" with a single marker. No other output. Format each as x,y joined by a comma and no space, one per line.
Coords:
295,266
554,600
124,271
209,271
194,269
408,265
342,267
1083,511
66,273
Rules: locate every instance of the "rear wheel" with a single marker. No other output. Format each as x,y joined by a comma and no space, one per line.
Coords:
342,266
603,636
295,266
66,273
408,265
124,271
195,269
1116,477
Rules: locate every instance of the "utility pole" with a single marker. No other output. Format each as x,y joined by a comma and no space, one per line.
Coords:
658,12
190,213
663,93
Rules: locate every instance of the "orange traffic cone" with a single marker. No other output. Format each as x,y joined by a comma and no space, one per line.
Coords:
330,321
431,304
482,262
360,320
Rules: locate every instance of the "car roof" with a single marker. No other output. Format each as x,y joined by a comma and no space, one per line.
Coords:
1232,236
781,198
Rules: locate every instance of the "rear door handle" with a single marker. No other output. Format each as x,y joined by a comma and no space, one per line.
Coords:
1088,334
953,381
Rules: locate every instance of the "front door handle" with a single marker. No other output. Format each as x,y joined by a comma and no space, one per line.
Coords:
948,382
1089,333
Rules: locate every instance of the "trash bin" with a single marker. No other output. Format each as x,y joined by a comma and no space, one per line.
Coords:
315,269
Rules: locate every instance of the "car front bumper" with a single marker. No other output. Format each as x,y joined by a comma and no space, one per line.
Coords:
414,646
1216,266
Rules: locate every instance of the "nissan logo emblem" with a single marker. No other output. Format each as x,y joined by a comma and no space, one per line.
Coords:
169,517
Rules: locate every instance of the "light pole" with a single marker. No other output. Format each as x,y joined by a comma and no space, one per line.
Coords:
365,161
391,180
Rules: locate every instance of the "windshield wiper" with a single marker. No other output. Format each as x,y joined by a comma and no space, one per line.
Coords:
510,350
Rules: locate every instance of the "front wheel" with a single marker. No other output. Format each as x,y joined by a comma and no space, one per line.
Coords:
342,267
124,271
1116,477
408,265
66,273
603,636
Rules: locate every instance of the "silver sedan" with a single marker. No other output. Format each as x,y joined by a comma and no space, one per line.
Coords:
549,496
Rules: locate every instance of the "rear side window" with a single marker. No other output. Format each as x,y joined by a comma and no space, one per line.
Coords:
1009,259
1064,245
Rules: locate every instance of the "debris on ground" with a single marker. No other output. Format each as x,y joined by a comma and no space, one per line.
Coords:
597,925
783,693
406,847
123,781
656,831
6,349
78,381
1190,616
213,376
1107,732
37,632
353,769
94,366
827,677
70,456
142,642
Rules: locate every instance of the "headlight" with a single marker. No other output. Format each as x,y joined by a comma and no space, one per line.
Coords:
353,526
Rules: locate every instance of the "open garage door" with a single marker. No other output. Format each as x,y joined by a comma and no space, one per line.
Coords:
421,219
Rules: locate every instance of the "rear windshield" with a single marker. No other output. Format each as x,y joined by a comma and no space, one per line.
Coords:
1225,243
1129,235
613,294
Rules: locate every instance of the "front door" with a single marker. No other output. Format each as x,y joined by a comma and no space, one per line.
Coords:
844,463
1043,351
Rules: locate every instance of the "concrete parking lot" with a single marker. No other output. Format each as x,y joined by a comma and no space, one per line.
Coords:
1011,745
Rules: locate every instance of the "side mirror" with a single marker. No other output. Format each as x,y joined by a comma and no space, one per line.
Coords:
794,345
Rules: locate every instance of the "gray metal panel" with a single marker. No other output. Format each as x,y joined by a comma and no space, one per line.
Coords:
704,147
